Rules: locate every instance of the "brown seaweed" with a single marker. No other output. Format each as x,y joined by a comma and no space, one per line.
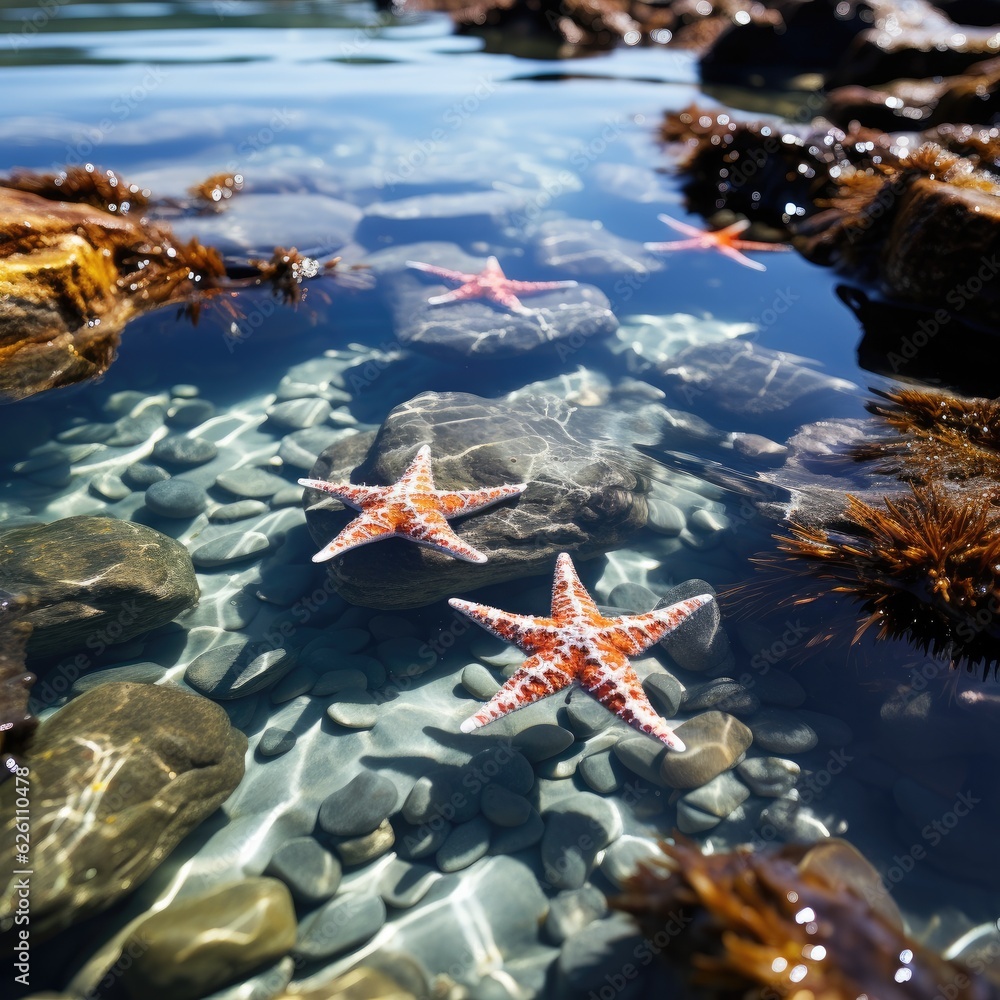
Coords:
78,262
795,922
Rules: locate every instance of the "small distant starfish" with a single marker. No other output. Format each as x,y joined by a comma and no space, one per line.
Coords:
491,283
577,643
724,240
411,508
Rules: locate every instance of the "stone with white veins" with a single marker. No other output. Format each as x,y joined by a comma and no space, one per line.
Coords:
585,491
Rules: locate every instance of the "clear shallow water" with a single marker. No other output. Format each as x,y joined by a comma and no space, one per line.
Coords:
318,103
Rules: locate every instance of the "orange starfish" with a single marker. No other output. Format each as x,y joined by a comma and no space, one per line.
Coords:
411,508
491,283
724,240
577,643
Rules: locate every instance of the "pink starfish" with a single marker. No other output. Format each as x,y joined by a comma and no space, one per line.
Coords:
577,643
411,508
491,283
724,240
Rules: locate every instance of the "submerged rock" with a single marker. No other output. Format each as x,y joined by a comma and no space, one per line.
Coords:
585,495
201,942
477,328
95,580
118,777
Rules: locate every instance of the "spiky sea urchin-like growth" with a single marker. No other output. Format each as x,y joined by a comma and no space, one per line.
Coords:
924,566
939,437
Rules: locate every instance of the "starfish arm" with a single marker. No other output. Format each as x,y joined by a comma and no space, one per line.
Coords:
441,272
757,245
455,502
520,630
615,685
529,287
733,254
538,677
355,495
570,600
430,528
360,531
635,633
681,227
673,245
418,474
455,295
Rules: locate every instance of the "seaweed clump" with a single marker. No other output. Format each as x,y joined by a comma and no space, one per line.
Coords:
77,263
923,563
799,921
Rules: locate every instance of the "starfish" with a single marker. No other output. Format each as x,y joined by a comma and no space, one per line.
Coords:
411,508
491,283
577,643
724,240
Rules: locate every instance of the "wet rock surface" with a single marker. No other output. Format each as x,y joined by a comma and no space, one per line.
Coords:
584,491
477,329
137,766
95,578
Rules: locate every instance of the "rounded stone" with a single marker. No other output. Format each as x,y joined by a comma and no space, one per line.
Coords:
310,871
632,598
419,840
665,691
237,669
642,755
714,742
356,851
571,910
141,475
137,673
623,857
465,844
403,884
596,955
179,953
182,450
95,581
511,839
250,482
769,776
665,518
601,772
275,741
782,732
231,547
503,807
542,741
109,487
339,925
340,640
358,807
479,682
297,414
699,642
718,797
175,498
238,511
722,693
577,829
190,412
354,710
184,390
586,716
